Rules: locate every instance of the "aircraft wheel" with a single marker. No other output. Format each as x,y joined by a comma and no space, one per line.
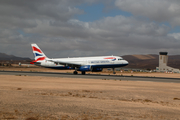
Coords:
114,71
83,72
75,72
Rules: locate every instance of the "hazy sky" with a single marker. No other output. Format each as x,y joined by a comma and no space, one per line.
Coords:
67,28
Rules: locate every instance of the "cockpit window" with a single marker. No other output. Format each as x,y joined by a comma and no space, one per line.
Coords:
120,59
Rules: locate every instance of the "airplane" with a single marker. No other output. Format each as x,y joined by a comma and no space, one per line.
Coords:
83,64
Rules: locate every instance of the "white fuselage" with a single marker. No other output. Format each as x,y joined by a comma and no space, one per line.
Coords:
101,61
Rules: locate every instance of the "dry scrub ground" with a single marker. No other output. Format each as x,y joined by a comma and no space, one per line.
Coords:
52,98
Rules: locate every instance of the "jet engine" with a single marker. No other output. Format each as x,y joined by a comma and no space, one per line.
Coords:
85,68
89,68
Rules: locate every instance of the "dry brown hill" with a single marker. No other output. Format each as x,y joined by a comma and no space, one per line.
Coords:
135,61
4,56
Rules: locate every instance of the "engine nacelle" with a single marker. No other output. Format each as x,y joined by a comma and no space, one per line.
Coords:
89,68
85,68
97,69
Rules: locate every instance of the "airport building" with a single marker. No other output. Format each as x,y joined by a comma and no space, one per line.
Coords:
163,60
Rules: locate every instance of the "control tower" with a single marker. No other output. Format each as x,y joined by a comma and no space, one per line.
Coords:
163,60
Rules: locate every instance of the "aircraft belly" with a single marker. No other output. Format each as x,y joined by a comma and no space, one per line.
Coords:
108,65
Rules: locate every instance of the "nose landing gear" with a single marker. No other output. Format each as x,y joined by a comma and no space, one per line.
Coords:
114,71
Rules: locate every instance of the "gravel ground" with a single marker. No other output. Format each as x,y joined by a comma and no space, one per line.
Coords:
42,98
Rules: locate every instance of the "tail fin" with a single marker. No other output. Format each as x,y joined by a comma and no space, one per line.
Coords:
38,54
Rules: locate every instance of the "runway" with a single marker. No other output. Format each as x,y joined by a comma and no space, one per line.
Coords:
92,76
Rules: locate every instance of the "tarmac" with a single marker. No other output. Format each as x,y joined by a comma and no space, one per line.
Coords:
93,76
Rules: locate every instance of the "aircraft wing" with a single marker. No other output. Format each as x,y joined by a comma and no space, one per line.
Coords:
70,64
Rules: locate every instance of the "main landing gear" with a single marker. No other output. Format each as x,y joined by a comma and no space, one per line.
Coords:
83,72
75,72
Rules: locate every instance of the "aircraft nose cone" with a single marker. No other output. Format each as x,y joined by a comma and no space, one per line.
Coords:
126,62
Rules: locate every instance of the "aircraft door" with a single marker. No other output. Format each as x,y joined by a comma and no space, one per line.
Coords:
114,60
88,62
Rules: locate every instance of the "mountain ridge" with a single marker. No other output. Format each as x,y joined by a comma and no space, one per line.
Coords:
4,56
149,61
